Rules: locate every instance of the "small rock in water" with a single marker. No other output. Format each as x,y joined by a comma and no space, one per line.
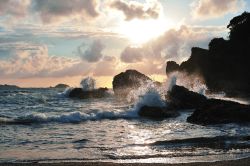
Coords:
81,94
154,112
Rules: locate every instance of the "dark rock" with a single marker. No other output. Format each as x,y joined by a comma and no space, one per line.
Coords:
124,82
181,98
207,111
156,112
5,86
219,111
172,67
61,86
225,64
96,93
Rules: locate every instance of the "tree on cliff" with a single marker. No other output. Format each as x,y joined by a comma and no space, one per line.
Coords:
239,27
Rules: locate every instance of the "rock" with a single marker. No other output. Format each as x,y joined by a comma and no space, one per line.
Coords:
61,86
207,111
5,86
96,93
181,98
219,111
129,80
172,67
225,64
159,113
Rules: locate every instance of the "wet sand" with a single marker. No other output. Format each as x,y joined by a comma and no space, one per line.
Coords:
240,162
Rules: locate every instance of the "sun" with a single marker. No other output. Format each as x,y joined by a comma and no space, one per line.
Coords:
141,31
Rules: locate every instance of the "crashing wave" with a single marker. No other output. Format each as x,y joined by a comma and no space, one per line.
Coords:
88,84
73,117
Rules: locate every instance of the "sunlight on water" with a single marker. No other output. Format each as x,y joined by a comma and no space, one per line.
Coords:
53,127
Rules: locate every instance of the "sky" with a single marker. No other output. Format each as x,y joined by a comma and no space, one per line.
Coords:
46,42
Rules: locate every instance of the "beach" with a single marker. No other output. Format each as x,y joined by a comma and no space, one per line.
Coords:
241,162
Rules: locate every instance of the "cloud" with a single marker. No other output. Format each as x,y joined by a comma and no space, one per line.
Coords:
93,53
207,9
174,44
14,8
137,10
33,61
51,11
132,54
106,67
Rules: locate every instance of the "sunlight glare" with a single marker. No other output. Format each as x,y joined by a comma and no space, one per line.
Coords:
141,31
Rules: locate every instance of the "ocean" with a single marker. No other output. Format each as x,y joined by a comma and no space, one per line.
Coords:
44,125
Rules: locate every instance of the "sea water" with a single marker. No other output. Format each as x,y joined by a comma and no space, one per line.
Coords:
44,125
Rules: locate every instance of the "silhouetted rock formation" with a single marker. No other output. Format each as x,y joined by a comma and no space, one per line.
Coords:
5,86
124,82
172,66
217,111
207,111
81,94
225,65
181,98
157,113
61,86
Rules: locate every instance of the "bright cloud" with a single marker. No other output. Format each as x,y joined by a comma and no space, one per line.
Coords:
134,9
34,61
207,9
172,44
14,8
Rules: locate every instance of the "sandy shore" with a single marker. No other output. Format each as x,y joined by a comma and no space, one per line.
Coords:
240,162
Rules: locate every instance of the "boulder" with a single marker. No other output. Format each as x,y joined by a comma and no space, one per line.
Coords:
154,112
81,94
181,98
61,86
217,111
129,80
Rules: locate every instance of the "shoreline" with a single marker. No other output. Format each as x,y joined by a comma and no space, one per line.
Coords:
241,162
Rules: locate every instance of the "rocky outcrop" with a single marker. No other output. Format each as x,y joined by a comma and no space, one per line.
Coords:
157,113
172,67
219,111
81,94
129,80
9,87
181,98
225,64
207,111
61,86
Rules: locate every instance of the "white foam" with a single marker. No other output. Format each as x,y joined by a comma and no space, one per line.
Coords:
75,117
191,82
88,84
66,92
147,95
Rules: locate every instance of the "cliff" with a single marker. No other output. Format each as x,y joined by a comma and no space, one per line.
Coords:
225,65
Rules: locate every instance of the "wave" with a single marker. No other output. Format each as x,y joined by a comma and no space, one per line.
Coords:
66,92
73,117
